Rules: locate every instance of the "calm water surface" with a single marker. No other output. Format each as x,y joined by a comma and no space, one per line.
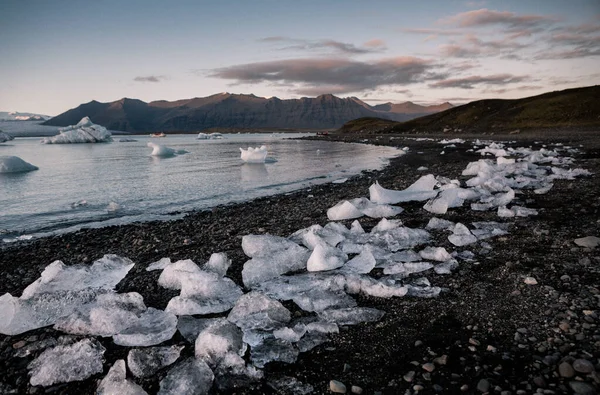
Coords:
147,188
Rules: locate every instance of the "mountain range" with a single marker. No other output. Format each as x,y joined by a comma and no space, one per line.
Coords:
566,109
226,110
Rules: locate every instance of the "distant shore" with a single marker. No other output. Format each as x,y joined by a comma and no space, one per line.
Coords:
487,331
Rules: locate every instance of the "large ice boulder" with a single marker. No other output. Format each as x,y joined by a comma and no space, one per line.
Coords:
14,164
161,150
4,137
254,155
84,132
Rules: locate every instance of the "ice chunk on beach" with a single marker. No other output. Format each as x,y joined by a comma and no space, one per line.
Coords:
319,300
172,275
103,274
190,327
189,377
271,256
84,132
217,340
362,263
159,265
218,263
273,350
445,200
164,151
257,311
63,364
435,254
145,362
4,137
356,228
325,258
14,164
151,328
343,210
355,208
420,190
405,269
438,223
254,155
351,316
116,382
446,267
461,236
385,224
108,315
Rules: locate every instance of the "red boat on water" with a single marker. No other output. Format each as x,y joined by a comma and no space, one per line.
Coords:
161,134
322,133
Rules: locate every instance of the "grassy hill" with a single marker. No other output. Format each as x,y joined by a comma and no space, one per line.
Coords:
571,108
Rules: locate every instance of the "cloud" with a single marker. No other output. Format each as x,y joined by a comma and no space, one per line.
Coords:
332,75
471,46
572,42
289,43
510,20
431,34
472,81
150,78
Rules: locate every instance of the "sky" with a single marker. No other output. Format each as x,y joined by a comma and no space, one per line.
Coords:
55,55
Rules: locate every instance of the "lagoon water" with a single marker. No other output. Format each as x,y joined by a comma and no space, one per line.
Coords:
121,183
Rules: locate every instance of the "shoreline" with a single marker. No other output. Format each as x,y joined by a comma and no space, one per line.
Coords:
484,305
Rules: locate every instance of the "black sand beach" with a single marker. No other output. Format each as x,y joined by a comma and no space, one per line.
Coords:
488,332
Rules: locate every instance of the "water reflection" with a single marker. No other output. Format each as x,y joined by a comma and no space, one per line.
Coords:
254,172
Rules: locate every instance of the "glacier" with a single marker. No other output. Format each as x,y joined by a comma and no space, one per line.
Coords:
84,132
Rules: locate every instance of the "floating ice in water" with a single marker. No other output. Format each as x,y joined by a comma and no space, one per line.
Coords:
420,190
104,274
112,207
217,340
435,254
115,382
254,155
209,136
257,311
325,258
351,316
163,151
126,140
271,256
218,263
84,132
145,362
63,364
189,377
14,164
4,137
356,208
79,204
461,236
152,327
438,223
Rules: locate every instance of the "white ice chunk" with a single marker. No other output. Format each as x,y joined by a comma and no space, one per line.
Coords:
217,340
173,274
164,151
145,362
404,269
461,236
151,328
14,164
351,316
84,132
159,265
523,211
446,199
435,254
385,225
438,223
115,382
356,228
189,377
265,245
446,267
588,241
504,212
319,300
4,137
420,190
543,190
218,263
422,168
362,263
325,258
257,311
63,364
254,155
103,274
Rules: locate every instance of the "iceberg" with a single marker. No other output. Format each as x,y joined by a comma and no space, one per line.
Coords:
254,155
4,137
63,364
209,136
84,132
116,382
164,151
14,164
420,190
